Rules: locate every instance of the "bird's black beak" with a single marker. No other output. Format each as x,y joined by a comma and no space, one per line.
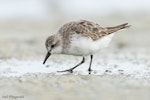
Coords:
46,57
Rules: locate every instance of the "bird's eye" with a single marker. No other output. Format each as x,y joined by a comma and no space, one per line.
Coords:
52,46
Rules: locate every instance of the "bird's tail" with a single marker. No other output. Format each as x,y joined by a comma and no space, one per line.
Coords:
116,28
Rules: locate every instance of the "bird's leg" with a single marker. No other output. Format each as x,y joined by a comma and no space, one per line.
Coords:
71,69
90,65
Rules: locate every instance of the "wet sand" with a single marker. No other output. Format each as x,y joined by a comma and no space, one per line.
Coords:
72,87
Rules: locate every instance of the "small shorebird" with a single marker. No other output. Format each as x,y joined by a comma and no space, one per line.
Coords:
80,38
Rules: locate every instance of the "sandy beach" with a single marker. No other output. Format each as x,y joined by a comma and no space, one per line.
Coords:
40,86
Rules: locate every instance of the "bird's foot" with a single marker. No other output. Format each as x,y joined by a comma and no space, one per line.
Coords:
90,70
68,70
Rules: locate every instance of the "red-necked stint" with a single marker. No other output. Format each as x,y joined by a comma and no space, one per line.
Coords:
80,38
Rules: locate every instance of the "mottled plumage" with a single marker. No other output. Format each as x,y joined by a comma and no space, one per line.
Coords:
87,29
80,38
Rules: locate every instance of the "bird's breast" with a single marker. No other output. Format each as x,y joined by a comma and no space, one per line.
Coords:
83,46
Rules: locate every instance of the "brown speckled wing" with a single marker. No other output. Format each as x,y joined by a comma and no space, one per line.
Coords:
93,30
90,29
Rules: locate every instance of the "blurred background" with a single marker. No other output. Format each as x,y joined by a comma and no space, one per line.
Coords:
25,24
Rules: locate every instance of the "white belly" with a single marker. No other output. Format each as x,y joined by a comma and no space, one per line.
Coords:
82,46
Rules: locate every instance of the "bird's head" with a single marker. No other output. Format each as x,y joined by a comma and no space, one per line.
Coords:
53,45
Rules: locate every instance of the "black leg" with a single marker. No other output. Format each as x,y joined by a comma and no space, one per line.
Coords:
71,69
90,65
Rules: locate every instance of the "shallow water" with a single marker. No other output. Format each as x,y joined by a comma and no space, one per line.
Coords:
130,62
